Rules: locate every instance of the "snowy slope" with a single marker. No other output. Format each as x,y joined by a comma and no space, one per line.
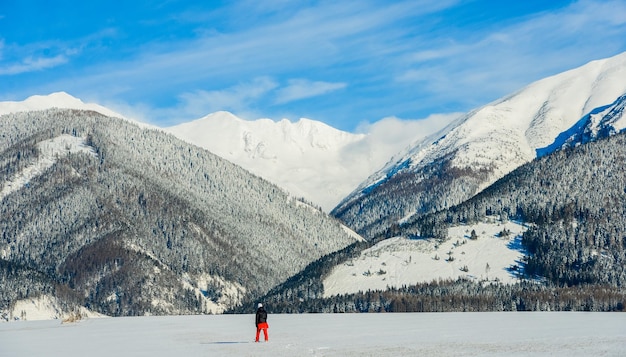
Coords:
489,142
401,261
599,123
54,100
50,151
568,334
196,210
506,133
44,307
308,158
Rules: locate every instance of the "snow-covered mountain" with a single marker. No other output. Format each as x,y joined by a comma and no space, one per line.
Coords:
600,123
59,100
481,147
555,220
307,158
127,220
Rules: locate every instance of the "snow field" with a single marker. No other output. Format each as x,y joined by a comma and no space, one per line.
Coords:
400,261
44,307
391,334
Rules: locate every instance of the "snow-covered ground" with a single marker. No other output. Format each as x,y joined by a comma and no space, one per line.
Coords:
391,334
400,261
44,307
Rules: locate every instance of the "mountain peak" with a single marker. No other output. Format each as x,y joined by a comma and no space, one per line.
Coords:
61,100
60,97
220,115
307,157
483,146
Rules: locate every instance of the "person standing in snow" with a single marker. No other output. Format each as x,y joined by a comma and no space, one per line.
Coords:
261,322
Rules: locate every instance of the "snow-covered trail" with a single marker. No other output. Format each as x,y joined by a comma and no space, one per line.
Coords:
392,334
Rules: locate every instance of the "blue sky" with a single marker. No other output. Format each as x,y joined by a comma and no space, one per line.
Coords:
345,63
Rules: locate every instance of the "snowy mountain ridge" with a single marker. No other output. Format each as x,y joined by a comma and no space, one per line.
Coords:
136,221
554,221
485,144
599,123
529,119
60,100
307,158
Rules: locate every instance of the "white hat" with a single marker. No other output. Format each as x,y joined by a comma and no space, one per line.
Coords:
260,305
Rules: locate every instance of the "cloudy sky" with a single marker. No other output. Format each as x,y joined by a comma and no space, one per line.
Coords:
346,63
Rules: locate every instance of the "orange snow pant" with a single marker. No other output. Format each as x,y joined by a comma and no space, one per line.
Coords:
262,326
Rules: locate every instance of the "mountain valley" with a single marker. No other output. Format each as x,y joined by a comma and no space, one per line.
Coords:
142,223
504,207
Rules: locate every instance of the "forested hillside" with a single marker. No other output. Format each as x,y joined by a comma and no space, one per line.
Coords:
574,203
137,222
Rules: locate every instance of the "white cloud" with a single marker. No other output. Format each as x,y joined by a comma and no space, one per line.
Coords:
137,111
302,88
477,67
31,64
394,57
390,136
392,130
38,56
237,99
243,98
305,39
433,54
